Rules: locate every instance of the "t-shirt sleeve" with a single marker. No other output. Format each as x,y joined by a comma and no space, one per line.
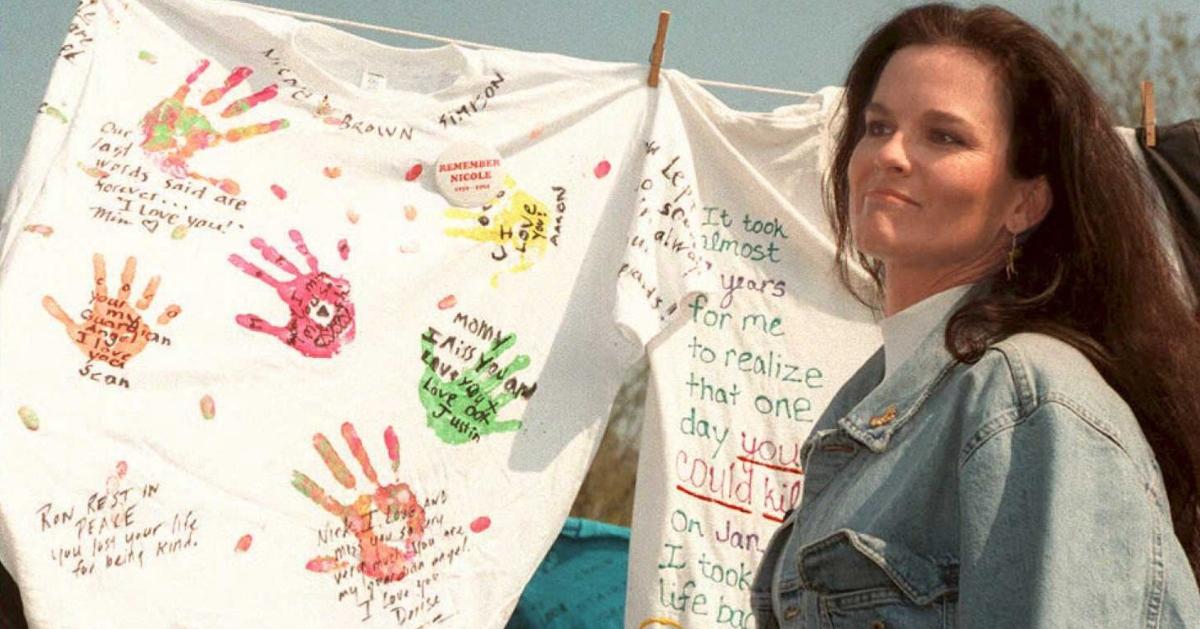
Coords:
90,24
664,261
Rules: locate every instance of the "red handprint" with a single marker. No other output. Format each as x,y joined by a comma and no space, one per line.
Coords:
173,131
322,315
112,331
395,501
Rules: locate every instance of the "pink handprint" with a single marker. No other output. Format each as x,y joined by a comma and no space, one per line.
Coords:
395,501
173,131
321,314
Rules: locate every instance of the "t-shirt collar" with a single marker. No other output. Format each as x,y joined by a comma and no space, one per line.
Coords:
419,81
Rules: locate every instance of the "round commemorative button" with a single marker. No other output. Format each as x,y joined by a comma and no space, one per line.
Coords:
469,174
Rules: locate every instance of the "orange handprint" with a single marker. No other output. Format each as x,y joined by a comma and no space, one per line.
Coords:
394,500
112,331
173,131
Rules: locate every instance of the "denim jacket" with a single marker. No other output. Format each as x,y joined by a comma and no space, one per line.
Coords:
1015,492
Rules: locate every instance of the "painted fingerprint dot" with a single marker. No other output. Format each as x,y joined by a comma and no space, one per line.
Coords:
244,543
481,524
602,169
333,172
229,186
279,192
208,408
410,212
324,564
414,172
352,216
536,133
447,302
148,57
122,469
179,232
44,230
57,114
28,417
393,447
333,120
92,172
343,248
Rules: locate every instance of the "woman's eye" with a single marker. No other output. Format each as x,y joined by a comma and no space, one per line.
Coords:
876,128
941,137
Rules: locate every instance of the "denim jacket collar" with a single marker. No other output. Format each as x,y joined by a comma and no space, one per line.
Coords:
886,405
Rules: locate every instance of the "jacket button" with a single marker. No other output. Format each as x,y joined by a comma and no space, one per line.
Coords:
791,612
878,624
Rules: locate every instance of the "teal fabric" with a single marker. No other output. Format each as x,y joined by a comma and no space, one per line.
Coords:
580,583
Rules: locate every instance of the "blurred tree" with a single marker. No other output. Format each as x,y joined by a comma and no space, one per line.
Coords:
607,492
1117,58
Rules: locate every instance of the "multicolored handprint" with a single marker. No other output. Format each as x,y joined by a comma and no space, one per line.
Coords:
174,131
520,224
394,501
112,330
463,408
321,315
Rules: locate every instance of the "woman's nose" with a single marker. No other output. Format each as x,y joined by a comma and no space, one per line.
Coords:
892,156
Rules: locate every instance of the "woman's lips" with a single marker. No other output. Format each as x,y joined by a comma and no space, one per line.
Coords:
894,196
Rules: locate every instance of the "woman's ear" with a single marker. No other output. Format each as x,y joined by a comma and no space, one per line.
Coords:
1035,203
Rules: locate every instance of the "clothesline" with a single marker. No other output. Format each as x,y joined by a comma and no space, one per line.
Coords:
463,42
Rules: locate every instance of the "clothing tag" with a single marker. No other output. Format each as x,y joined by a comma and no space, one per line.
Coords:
372,81
469,174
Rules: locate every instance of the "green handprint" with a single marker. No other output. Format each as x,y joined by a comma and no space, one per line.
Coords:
464,408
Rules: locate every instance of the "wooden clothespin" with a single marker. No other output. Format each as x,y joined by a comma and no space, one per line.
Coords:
656,53
1148,120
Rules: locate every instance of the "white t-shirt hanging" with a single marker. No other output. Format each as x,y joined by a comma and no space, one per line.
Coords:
739,379
256,370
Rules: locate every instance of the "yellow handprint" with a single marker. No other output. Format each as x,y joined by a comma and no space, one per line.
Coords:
520,223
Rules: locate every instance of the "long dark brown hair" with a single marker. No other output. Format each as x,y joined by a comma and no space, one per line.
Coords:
1093,272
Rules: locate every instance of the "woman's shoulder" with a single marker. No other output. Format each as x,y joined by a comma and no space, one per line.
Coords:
1045,369
1026,371
1047,379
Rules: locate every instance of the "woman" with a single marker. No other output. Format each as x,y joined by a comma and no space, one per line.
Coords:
1023,450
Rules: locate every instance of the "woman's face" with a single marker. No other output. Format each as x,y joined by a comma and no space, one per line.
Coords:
930,189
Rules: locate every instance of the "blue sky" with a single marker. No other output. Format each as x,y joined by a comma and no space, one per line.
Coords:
799,45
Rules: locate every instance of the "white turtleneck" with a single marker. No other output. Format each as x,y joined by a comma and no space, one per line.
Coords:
904,331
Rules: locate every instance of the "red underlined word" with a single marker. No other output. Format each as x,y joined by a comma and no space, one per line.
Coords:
714,500
772,518
793,470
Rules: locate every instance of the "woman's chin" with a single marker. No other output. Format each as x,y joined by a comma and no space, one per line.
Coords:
879,244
